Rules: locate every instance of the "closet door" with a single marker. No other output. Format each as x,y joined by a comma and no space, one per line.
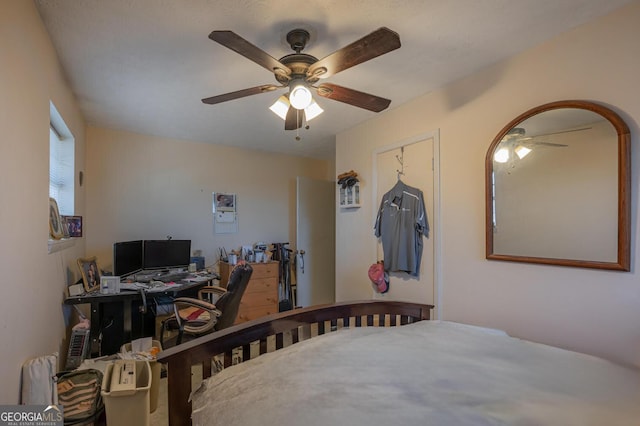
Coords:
412,161
315,235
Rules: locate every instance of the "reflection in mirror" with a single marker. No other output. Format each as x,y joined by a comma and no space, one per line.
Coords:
557,188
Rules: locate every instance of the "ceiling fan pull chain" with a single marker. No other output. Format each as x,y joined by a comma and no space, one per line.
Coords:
297,127
306,122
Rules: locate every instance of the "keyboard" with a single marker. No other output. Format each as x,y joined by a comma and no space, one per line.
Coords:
172,276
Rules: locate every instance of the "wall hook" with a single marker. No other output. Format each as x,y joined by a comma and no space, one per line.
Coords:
400,159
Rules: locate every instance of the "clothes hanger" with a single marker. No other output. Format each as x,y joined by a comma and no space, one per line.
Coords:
400,159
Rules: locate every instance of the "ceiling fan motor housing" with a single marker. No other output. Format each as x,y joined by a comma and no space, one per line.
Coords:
298,63
298,39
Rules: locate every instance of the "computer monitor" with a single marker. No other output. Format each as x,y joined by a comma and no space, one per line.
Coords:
127,257
159,254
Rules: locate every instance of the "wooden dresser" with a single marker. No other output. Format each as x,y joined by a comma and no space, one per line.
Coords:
261,296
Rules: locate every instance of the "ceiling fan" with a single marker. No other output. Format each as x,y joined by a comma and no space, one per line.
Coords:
516,143
300,72
518,135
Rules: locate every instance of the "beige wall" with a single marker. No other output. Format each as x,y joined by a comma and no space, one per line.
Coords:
32,318
592,311
146,187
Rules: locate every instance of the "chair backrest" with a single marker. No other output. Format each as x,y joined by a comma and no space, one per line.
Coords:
229,302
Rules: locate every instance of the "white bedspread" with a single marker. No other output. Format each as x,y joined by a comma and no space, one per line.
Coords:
428,373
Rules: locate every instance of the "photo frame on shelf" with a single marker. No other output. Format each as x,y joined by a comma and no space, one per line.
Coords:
73,226
90,273
56,225
65,226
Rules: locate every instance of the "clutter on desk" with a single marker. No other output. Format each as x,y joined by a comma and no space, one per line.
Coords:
109,284
76,289
198,259
90,273
256,253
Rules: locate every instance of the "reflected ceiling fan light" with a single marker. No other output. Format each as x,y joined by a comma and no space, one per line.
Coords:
522,151
313,110
299,95
280,107
501,156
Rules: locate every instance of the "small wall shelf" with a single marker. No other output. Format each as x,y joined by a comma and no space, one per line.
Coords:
58,245
350,196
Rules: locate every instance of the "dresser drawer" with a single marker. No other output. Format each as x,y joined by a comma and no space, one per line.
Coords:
260,270
259,298
255,312
265,270
269,285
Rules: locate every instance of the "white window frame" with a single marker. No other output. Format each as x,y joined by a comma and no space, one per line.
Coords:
61,163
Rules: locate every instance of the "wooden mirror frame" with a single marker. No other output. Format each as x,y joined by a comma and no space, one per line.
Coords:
624,190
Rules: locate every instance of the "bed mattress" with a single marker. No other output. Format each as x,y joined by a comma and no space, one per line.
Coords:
427,373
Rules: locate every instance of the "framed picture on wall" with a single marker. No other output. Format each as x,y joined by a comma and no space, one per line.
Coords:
90,273
56,226
224,202
73,225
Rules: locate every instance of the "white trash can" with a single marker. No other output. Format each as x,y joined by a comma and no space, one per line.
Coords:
127,405
156,369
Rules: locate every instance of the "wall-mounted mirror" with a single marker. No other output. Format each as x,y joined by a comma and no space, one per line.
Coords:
558,188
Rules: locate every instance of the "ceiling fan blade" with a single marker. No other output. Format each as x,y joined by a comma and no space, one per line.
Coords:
561,132
559,145
353,97
241,94
239,45
294,119
379,42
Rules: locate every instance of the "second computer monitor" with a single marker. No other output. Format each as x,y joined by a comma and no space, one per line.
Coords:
127,257
159,254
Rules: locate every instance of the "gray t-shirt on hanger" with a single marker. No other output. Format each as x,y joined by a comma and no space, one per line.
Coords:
401,223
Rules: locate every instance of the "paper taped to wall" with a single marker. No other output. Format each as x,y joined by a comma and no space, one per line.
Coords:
225,217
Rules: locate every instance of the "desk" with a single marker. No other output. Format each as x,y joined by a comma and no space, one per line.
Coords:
120,309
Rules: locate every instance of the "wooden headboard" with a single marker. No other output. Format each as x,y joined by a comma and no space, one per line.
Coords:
299,322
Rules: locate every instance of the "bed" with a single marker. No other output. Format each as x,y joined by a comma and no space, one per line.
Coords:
373,362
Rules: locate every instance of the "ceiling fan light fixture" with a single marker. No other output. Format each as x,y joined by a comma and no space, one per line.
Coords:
313,110
280,107
299,95
522,151
501,156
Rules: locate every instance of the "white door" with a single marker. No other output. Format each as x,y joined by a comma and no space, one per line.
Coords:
413,162
316,214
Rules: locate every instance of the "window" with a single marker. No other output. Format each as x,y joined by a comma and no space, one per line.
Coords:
61,163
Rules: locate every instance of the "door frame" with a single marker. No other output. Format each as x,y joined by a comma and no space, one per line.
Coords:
435,227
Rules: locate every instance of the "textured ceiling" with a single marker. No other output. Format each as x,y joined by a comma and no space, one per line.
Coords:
144,65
